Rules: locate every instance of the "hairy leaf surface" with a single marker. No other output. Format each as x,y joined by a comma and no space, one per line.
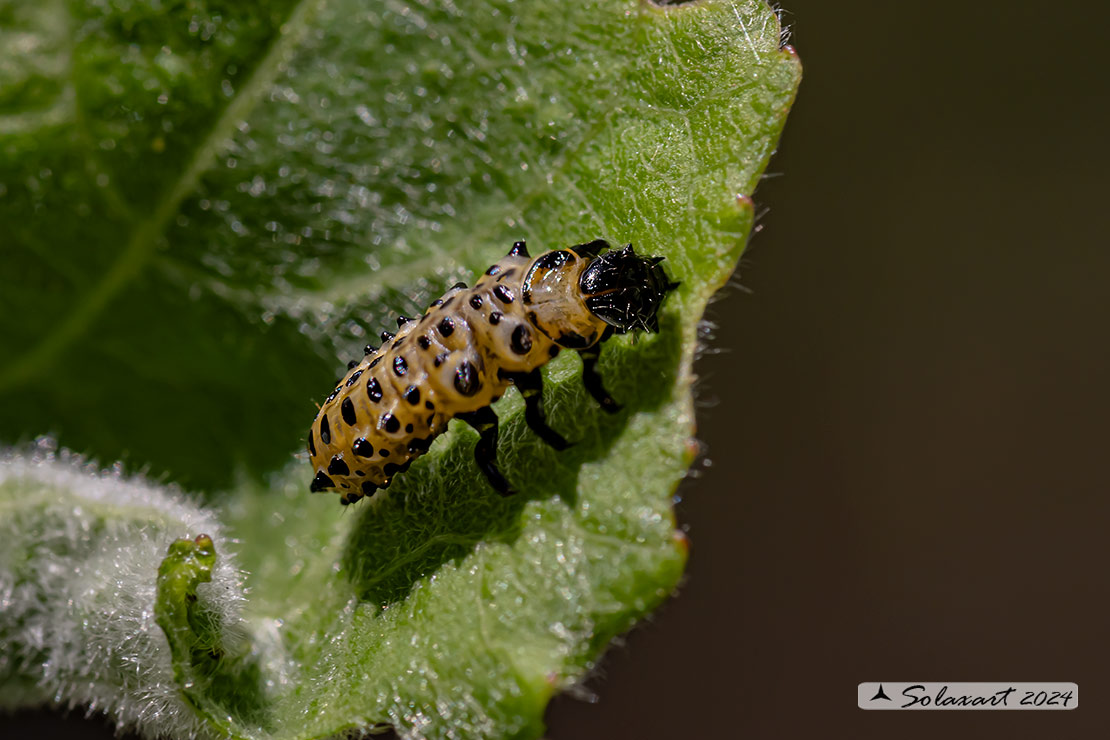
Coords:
207,208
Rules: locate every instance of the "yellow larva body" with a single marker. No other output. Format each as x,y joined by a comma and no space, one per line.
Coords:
453,359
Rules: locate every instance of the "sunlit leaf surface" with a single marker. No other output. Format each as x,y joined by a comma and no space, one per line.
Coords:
205,209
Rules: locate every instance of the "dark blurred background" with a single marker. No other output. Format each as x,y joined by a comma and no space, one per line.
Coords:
906,418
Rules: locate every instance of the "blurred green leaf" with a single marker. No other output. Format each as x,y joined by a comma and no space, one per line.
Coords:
203,205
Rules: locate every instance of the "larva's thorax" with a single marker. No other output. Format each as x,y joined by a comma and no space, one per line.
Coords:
455,359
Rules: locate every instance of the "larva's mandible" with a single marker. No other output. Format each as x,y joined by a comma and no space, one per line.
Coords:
465,351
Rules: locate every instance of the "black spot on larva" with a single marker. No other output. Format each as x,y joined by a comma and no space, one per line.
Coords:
311,444
553,350
466,379
503,294
360,473
446,327
447,303
362,448
390,468
475,301
325,429
436,302
332,395
459,286
419,445
400,367
427,404
412,395
354,377
343,500
369,349
441,358
347,409
409,428
383,452
373,390
402,320
495,318
368,488
338,467
507,274
429,420
493,270
352,364
521,341
376,360
320,482
386,336
390,423
424,342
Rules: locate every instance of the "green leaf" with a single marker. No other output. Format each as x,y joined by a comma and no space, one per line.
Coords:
204,204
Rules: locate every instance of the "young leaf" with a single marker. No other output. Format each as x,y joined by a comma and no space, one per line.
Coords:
236,193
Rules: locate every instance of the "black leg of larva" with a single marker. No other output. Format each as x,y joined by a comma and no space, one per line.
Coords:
485,452
592,380
531,387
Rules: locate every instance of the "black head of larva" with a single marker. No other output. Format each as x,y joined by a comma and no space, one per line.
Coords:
624,289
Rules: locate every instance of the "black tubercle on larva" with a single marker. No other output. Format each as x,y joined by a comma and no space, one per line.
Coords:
520,249
495,318
354,378
475,301
333,394
521,341
374,390
467,381
402,320
325,429
347,409
376,360
446,327
493,270
390,423
400,367
368,488
503,294
320,482
409,428
352,364
369,349
412,395
441,358
386,336
338,467
362,448
459,286
311,444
